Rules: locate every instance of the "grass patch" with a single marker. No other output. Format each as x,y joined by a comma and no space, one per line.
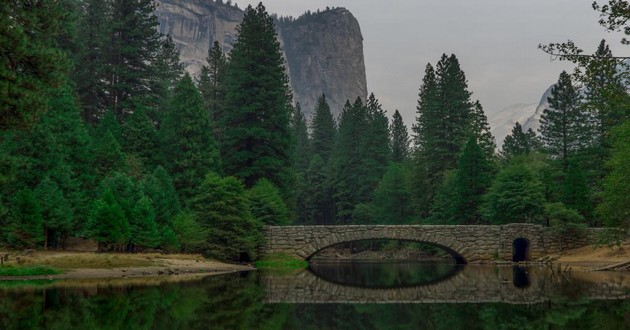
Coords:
280,261
27,271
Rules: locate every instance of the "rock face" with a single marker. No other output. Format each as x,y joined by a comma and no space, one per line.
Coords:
323,51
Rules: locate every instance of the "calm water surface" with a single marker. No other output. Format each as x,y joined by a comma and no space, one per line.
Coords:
331,296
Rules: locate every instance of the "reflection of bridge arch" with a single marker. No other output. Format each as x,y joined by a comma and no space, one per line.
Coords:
473,285
321,270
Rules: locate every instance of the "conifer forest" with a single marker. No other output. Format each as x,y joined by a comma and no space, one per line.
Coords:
104,135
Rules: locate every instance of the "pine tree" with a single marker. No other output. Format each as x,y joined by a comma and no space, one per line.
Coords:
107,223
90,70
615,207
266,204
473,177
126,192
319,204
168,72
374,149
323,130
140,138
575,190
257,138
142,226
519,143
57,213
188,148
31,58
26,227
134,43
212,86
481,131
399,139
563,127
347,159
221,206
392,197
160,189
191,235
107,156
301,160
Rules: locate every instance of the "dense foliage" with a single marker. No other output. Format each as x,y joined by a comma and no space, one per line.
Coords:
124,148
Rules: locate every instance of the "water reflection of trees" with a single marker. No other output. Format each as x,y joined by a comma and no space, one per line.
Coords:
235,302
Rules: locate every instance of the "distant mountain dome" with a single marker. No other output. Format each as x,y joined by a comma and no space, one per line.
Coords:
528,115
323,49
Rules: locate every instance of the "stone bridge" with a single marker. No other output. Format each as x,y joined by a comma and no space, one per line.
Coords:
475,284
512,242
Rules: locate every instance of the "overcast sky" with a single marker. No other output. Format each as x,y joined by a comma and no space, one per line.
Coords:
494,40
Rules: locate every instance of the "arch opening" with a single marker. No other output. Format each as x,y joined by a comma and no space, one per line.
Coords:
520,250
358,245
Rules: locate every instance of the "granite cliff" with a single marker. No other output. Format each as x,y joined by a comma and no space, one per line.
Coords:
323,50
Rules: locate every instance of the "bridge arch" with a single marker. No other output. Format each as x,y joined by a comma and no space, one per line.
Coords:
307,253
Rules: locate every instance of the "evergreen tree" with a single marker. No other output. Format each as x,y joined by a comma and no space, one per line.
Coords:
143,228
473,177
323,130
188,148
191,235
319,204
26,227
257,138
168,72
107,156
563,127
90,59
481,131
31,58
107,223
301,143
221,206
126,192
392,197
575,190
399,139
266,204
212,86
516,195
134,41
57,213
347,160
374,150
140,138
519,143
160,189
615,206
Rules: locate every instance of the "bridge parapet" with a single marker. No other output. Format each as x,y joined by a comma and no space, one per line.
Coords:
475,243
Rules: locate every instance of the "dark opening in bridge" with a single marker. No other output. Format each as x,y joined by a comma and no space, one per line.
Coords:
520,250
520,277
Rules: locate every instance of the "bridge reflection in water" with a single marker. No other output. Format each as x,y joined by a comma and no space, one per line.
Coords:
470,284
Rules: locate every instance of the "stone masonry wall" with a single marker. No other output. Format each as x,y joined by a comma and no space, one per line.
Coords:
465,243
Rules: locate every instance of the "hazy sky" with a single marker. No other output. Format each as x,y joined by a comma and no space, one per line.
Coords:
494,40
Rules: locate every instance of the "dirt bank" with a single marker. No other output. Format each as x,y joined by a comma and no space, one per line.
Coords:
592,258
90,265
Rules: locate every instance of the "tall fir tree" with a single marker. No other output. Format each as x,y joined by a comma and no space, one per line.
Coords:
519,142
189,150
301,150
57,212
399,139
142,226
140,138
375,150
168,72
90,59
319,204
160,189
257,138
323,130
212,86
481,131
392,197
31,58
107,223
615,206
564,126
27,227
133,44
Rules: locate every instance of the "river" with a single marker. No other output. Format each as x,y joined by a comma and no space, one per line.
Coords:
331,296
